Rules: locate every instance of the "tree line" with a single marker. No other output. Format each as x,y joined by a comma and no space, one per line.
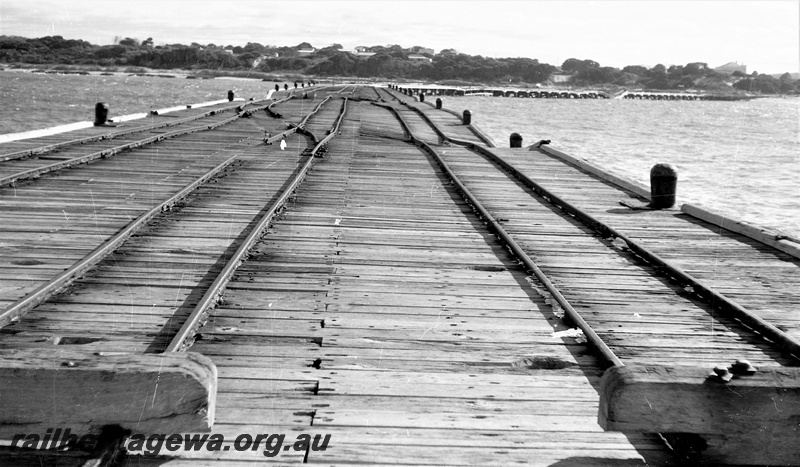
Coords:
389,62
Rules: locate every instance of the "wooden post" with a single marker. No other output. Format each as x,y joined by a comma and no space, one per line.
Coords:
100,113
750,419
663,185
467,118
515,140
83,392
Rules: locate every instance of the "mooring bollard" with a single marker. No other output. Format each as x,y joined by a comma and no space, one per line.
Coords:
277,88
467,117
515,140
230,96
663,185
285,87
438,103
295,84
100,113
422,97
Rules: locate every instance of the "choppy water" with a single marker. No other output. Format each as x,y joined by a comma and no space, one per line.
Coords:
740,158
31,101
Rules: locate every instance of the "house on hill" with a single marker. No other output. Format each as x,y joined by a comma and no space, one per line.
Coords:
731,67
418,57
422,50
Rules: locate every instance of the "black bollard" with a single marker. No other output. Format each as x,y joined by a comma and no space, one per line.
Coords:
422,97
277,88
285,87
295,84
230,96
100,113
438,103
515,140
663,186
467,118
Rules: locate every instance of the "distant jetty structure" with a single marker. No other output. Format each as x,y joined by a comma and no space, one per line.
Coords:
557,93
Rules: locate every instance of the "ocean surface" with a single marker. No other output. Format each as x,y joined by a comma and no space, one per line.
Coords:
741,159
31,101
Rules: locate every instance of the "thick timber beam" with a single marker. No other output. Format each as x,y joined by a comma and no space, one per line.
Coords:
43,389
735,418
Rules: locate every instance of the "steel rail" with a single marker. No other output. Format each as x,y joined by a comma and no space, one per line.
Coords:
475,131
39,171
47,290
605,352
107,136
299,127
716,300
214,292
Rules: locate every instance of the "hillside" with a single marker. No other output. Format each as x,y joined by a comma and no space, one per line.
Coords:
383,62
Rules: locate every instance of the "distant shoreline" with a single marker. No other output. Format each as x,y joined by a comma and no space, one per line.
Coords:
95,70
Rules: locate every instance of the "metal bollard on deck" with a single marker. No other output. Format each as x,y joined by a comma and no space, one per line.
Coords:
422,97
515,140
230,96
467,118
663,186
438,103
100,113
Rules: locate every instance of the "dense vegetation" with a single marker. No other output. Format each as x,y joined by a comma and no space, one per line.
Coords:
392,62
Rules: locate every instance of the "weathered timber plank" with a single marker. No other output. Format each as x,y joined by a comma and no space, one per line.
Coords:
752,419
83,392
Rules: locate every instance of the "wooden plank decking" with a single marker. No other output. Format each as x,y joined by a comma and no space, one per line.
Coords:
378,308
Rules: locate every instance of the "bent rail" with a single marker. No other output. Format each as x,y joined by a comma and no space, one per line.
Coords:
213,294
605,352
89,139
45,291
39,171
715,299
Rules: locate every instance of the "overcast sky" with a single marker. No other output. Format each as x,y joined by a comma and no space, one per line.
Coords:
762,34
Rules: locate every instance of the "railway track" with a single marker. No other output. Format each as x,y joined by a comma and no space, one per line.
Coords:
145,260
119,190
35,162
414,297
668,325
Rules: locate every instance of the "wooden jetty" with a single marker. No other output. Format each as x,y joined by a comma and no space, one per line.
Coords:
561,93
347,275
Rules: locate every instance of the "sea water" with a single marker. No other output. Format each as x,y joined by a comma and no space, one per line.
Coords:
741,158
